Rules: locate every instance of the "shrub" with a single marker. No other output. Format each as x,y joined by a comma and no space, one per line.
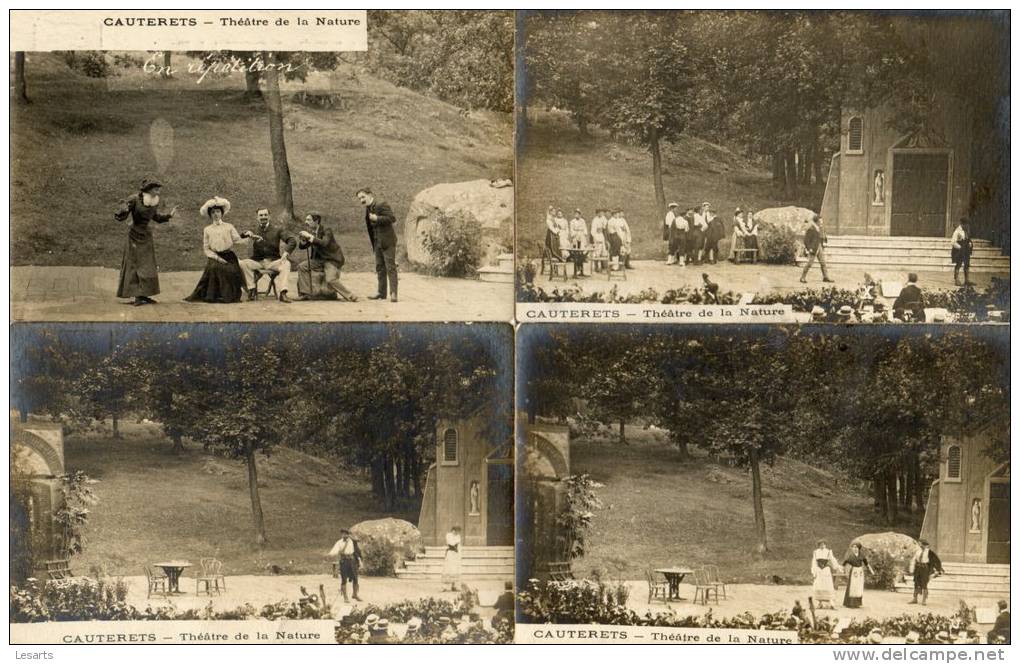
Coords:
90,63
886,571
378,558
454,245
777,245
574,601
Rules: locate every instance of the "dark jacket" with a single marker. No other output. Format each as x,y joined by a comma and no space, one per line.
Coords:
140,215
814,239
381,231
324,247
910,299
1000,632
269,246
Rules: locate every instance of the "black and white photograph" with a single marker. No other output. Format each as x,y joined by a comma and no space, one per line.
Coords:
356,477
852,166
841,485
217,185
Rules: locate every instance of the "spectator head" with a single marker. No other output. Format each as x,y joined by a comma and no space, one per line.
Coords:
509,585
964,221
912,277
1003,604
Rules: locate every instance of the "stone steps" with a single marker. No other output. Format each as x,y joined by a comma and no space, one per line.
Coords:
476,563
908,254
502,272
966,579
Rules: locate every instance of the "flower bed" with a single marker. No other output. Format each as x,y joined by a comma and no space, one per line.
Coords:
90,599
588,601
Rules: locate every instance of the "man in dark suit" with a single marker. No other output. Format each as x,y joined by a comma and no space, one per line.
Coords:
324,257
814,244
265,253
910,299
379,221
999,633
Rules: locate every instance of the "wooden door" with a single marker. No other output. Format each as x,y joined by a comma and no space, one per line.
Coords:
499,507
920,190
998,522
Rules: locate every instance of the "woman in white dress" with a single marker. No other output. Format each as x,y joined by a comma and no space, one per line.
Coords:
823,562
451,564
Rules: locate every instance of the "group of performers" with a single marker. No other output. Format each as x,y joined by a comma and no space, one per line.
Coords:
693,237
924,565
227,278
608,238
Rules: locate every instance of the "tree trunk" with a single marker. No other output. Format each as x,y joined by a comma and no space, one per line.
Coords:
20,89
919,484
378,487
790,176
759,508
777,168
388,483
623,434
251,85
178,443
881,495
876,494
281,168
892,514
116,426
685,454
582,125
166,65
660,192
816,161
417,475
253,491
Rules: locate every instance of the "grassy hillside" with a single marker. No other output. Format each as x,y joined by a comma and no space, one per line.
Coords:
660,511
84,143
156,504
556,166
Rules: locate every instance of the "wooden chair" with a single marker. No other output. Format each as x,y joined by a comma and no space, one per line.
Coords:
560,571
58,569
657,588
702,588
599,264
742,254
260,272
559,265
157,582
211,577
712,577
619,273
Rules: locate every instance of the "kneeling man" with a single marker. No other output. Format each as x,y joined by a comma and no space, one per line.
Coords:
265,252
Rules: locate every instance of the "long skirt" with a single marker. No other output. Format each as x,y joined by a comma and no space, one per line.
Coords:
854,588
615,244
552,243
221,283
451,567
138,274
822,587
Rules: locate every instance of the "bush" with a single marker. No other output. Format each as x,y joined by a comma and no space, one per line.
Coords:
429,610
378,558
777,245
454,245
885,574
91,63
576,601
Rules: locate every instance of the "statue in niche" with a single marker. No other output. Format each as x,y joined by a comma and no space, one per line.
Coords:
879,187
474,497
975,515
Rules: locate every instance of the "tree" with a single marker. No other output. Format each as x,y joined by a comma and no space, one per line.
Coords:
277,144
20,88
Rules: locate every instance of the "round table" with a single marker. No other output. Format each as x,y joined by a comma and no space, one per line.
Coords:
173,569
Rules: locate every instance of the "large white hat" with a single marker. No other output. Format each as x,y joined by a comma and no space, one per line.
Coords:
215,201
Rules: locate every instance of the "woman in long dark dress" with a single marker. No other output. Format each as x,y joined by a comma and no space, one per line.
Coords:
222,282
139,275
855,564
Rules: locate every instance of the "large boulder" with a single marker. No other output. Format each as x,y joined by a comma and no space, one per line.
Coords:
791,217
402,535
901,548
491,202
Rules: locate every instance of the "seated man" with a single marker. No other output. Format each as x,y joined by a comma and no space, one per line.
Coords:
265,252
910,299
1000,631
325,258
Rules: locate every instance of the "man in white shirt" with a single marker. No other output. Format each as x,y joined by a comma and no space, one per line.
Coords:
962,247
668,230
348,560
625,237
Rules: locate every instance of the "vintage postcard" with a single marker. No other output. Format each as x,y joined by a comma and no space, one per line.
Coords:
763,484
763,166
183,483
262,166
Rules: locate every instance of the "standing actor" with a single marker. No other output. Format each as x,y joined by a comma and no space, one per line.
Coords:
379,220
348,560
139,276
922,565
814,244
961,251
324,256
265,252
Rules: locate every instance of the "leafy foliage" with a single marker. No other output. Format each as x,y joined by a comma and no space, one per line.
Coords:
432,612
886,571
73,513
777,245
378,557
579,509
454,245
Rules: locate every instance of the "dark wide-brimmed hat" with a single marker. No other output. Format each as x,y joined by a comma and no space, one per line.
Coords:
148,184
